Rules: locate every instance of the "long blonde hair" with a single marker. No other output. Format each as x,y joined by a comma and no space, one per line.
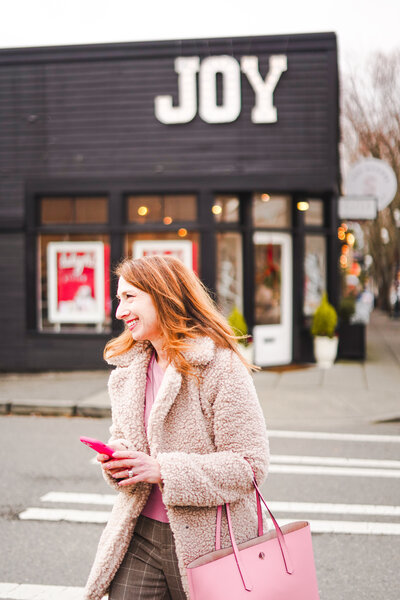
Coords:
184,307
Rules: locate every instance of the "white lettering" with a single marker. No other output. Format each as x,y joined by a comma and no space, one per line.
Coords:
229,110
77,262
186,68
264,110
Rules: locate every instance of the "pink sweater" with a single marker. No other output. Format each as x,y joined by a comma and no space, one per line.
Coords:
154,508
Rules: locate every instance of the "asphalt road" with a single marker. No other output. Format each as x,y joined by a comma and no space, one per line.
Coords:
40,455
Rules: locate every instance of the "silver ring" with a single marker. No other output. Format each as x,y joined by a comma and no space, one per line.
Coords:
130,473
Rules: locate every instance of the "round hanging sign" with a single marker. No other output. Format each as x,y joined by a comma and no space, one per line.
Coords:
373,177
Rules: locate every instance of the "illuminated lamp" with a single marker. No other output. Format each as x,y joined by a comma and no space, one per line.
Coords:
303,205
142,211
182,232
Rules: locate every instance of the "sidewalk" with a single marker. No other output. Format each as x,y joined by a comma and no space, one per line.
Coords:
349,395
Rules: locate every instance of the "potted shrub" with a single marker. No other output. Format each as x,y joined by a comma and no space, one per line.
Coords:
238,323
323,329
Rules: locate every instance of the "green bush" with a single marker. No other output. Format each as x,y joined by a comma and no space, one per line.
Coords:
347,308
325,319
238,323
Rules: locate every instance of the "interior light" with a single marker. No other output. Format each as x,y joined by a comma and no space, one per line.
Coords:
216,209
343,261
167,220
182,232
350,239
345,249
303,205
265,197
341,234
142,211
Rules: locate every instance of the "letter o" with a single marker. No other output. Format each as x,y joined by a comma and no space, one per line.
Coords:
209,110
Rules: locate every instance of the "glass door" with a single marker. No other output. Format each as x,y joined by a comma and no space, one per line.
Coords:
272,332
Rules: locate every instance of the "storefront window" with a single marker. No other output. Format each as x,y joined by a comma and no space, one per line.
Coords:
314,215
167,209
74,283
271,210
226,209
314,272
229,272
68,210
268,289
181,244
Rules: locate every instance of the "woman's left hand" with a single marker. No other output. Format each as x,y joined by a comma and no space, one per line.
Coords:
141,466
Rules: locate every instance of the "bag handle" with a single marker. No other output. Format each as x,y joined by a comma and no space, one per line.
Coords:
279,535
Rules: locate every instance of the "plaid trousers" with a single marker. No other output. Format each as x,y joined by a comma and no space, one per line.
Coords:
149,570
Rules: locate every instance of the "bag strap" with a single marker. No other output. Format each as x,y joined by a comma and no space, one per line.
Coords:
279,535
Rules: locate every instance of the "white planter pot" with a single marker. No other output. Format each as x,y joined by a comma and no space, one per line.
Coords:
246,352
325,351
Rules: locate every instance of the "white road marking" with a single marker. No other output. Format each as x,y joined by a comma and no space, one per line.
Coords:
15,591
333,461
338,509
279,506
63,514
337,471
77,498
352,527
344,437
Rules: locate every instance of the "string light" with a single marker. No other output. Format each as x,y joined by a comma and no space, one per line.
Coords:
142,211
216,209
182,232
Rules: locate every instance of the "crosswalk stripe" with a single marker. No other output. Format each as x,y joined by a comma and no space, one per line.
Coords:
15,591
78,498
334,461
341,471
64,514
317,526
343,437
282,506
338,509
352,527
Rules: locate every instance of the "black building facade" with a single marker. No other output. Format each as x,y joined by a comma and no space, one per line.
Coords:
221,151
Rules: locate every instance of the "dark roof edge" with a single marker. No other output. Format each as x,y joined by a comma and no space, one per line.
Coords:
153,49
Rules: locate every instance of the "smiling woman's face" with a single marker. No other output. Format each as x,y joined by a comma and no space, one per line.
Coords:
136,308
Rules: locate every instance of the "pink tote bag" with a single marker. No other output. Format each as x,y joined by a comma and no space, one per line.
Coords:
278,565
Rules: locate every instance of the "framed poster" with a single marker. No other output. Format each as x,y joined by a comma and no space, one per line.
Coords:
182,249
75,280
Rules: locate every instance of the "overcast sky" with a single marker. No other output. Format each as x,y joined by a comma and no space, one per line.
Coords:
362,26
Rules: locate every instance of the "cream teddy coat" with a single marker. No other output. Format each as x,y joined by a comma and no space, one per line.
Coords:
208,438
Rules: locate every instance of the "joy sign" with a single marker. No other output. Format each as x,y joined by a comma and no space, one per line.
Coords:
210,110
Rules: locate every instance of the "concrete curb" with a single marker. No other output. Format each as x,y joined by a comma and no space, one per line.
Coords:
52,408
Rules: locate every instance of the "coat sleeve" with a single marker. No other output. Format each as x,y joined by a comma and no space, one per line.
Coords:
116,436
241,446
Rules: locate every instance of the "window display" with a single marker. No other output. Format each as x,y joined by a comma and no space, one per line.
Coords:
74,293
229,272
314,272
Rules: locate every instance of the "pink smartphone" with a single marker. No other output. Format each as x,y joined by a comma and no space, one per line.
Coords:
97,445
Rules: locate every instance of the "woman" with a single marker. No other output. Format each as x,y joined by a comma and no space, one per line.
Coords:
187,429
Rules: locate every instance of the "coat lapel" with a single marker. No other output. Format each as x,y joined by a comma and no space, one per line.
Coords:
131,381
128,388
169,389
